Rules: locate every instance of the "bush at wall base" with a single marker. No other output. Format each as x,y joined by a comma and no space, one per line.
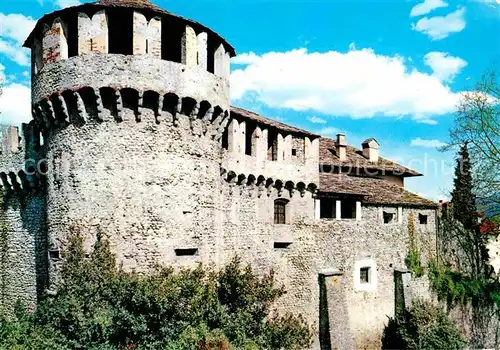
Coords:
423,326
99,307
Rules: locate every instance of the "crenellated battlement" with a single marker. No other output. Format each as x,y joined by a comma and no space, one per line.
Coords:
127,30
85,104
20,182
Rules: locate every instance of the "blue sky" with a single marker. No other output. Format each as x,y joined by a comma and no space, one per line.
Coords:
389,69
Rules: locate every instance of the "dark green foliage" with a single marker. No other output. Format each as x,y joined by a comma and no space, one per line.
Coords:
99,307
413,259
457,288
464,278
423,326
413,262
462,197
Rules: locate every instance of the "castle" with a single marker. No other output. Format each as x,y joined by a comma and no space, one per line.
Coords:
133,135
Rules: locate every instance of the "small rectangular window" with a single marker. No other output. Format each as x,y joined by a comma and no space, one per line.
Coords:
364,275
186,251
294,152
422,219
348,209
388,217
54,254
280,211
281,245
327,208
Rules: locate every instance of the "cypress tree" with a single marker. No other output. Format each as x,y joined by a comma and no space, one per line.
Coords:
462,197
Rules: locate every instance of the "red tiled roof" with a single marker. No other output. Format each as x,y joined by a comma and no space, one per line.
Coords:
355,159
375,190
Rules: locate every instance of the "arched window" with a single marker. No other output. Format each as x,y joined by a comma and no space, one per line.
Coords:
280,211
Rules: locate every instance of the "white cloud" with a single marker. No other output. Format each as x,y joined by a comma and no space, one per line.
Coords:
67,3
444,66
245,58
16,26
428,121
426,7
358,83
427,143
14,53
15,104
317,120
14,29
329,131
440,27
2,74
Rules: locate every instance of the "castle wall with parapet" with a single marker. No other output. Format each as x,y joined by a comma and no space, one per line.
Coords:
301,249
23,244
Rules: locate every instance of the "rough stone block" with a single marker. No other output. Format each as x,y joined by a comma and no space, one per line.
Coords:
189,47
154,37
140,36
92,33
202,50
54,43
220,61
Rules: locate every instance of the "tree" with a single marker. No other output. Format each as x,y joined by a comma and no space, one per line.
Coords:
97,306
477,124
462,196
463,275
471,242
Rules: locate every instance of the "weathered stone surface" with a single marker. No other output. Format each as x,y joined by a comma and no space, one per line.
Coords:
143,73
55,43
202,50
220,62
189,47
92,33
140,35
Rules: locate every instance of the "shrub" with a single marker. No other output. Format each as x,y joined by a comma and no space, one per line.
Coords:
99,307
423,326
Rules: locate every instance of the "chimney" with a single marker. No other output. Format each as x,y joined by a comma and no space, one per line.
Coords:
370,149
340,147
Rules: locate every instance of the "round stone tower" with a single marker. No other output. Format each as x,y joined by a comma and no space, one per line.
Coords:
129,106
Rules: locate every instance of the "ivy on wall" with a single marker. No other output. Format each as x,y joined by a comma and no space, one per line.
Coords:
413,259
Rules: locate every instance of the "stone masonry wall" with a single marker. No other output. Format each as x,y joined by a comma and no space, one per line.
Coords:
23,250
318,245
143,74
150,188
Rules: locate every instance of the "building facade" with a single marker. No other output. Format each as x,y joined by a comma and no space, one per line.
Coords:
133,135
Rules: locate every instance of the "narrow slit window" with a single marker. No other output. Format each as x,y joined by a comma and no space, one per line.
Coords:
249,131
272,145
364,275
